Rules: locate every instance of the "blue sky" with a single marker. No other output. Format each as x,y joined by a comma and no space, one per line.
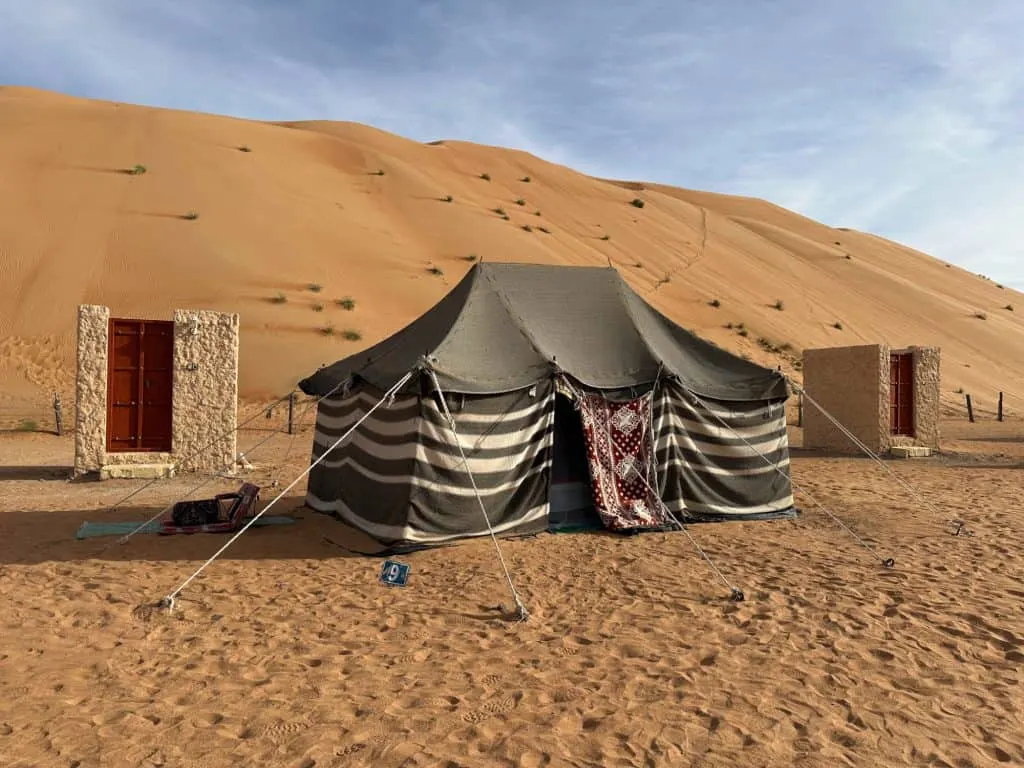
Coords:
900,117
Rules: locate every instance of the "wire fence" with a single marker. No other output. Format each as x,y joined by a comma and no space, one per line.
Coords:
56,415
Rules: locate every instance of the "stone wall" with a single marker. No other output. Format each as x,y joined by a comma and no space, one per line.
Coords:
852,384
205,389
927,395
205,394
91,388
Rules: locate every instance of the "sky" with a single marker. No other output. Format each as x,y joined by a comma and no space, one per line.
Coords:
904,118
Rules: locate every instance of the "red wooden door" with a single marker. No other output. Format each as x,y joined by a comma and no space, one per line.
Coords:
901,393
139,385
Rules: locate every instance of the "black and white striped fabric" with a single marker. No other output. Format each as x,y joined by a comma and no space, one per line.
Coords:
714,471
400,477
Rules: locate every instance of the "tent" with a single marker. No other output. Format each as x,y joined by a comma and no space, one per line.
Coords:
570,400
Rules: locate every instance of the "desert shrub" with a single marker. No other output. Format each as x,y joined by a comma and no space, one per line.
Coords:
318,307
779,305
191,216
520,201
279,299
636,202
315,287
485,176
715,303
137,170
350,335
435,271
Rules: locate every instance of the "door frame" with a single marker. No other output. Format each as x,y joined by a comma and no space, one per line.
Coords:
901,358
141,324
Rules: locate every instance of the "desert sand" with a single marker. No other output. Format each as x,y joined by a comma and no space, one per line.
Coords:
286,651
305,206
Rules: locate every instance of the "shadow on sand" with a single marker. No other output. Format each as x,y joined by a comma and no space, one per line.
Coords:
46,472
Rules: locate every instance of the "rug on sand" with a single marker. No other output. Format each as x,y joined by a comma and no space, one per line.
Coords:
90,530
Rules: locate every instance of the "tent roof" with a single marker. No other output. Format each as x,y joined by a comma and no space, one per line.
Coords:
507,326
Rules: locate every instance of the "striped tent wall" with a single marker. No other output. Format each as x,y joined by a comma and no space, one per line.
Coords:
400,477
711,471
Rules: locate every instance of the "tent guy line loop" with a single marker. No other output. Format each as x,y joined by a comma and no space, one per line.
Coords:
888,562
860,444
124,539
169,601
521,613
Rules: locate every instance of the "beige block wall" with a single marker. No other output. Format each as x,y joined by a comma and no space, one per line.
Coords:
205,393
205,389
848,382
852,384
91,388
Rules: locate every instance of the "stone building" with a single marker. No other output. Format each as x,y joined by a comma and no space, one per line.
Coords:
888,398
155,396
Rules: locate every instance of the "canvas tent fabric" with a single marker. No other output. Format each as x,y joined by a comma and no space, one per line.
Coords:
505,344
507,326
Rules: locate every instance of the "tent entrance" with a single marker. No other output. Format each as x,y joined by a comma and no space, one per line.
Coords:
572,499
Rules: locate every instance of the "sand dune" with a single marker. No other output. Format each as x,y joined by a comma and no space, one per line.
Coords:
287,652
305,206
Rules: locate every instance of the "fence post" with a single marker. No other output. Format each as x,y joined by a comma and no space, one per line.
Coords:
291,413
800,410
58,415
970,409
999,413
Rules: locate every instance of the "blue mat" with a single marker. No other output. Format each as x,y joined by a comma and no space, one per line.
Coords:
90,530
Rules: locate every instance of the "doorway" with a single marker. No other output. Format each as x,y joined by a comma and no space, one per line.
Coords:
140,373
571,497
901,393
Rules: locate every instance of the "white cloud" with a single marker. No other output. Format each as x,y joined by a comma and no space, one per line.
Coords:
902,118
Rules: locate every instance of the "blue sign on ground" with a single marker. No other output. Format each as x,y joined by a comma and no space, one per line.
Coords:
394,574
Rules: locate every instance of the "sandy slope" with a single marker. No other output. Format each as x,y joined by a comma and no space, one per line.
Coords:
287,652
303,206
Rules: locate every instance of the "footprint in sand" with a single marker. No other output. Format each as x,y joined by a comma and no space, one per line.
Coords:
492,708
281,730
350,749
